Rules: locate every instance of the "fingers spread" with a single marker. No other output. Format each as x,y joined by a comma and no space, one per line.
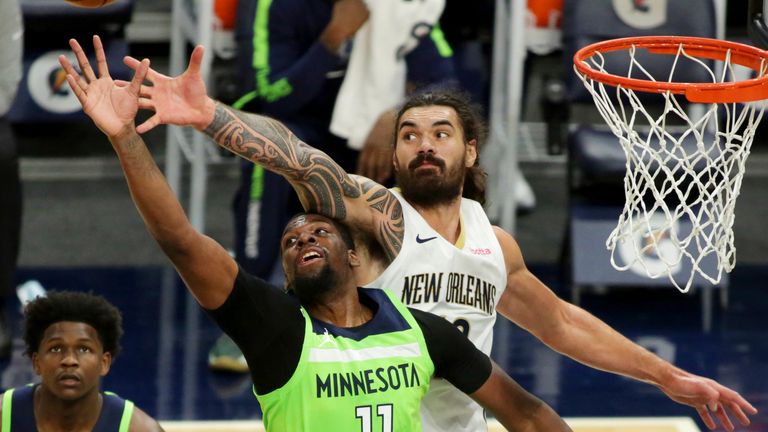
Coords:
131,62
149,124
101,58
704,414
739,413
138,77
134,64
77,90
70,70
724,419
147,104
146,91
82,60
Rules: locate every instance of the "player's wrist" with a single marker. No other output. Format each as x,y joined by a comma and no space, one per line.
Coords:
207,114
663,373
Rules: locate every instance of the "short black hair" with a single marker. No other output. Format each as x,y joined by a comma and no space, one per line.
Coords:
343,229
88,308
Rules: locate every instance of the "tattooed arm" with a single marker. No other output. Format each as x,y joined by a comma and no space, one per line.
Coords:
322,185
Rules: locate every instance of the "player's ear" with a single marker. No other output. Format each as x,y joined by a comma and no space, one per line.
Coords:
352,258
470,152
106,363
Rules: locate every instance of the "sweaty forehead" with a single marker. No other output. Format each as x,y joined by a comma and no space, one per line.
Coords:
428,115
304,219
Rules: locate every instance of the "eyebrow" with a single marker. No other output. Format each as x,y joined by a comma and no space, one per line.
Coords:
408,123
60,338
318,221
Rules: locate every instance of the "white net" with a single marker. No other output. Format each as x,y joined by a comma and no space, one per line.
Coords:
683,171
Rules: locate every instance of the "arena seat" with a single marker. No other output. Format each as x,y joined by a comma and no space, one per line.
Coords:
44,95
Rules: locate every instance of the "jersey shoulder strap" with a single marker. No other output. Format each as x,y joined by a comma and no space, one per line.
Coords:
115,415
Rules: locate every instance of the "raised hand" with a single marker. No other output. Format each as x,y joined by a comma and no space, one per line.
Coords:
180,100
375,160
112,107
709,397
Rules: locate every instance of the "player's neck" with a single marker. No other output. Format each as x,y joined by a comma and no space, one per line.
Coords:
443,218
342,310
53,414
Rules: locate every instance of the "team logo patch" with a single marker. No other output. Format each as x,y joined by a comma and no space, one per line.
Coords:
47,84
424,240
480,251
641,14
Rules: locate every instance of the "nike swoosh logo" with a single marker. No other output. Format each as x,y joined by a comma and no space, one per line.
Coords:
424,240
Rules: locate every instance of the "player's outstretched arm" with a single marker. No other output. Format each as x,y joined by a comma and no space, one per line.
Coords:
204,265
514,407
572,331
322,185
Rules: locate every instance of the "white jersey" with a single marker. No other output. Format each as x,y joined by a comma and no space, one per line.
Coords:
461,282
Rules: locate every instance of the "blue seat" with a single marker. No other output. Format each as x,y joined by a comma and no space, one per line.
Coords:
44,95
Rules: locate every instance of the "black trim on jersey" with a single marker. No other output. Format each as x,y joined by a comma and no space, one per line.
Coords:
267,325
455,357
386,318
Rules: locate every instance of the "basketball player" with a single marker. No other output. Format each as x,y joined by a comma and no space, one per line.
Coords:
72,339
453,261
332,356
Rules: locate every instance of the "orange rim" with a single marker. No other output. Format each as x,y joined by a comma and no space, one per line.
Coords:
715,49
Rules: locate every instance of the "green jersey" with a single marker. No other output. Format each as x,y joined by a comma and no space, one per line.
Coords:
367,379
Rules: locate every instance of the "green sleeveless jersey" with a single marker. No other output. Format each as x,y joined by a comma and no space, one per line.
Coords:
367,379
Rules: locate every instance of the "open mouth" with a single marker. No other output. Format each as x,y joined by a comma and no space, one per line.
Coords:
310,256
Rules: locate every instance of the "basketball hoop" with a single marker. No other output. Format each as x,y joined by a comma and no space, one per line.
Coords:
681,168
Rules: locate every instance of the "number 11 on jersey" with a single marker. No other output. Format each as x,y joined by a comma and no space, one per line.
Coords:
364,414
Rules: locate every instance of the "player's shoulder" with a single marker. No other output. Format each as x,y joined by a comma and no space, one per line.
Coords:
142,422
502,235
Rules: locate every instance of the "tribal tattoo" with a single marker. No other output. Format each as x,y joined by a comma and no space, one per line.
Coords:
390,228
322,185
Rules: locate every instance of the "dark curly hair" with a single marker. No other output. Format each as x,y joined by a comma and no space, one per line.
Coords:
471,122
88,308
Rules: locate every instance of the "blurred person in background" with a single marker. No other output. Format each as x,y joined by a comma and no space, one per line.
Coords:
11,43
